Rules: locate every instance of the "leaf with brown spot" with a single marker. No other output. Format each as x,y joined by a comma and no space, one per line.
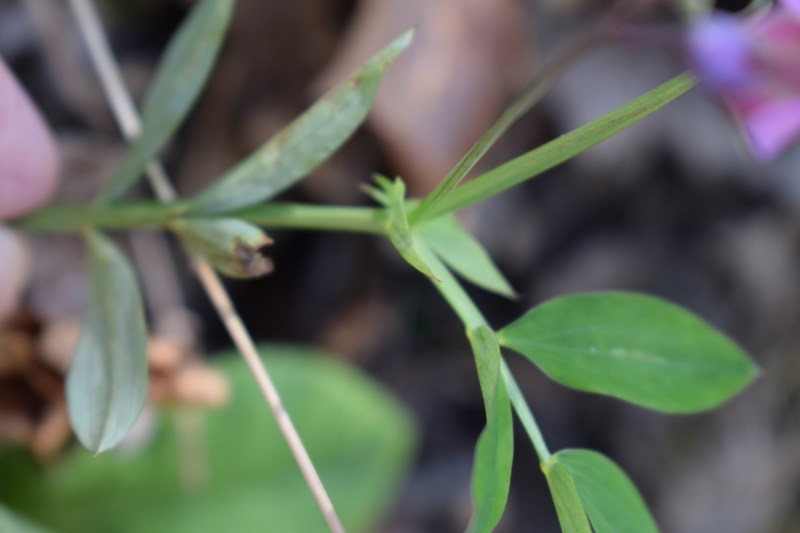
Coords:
303,144
232,246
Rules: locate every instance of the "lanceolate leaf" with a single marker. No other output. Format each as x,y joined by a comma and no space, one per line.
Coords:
305,143
107,383
233,246
525,101
571,514
179,80
557,151
464,254
491,474
635,347
608,495
391,194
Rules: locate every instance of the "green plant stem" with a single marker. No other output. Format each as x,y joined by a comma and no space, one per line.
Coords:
154,215
524,413
73,218
315,217
452,291
472,318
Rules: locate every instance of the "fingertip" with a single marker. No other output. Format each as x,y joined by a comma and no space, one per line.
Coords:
28,155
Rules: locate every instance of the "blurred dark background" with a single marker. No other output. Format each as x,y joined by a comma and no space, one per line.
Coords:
673,207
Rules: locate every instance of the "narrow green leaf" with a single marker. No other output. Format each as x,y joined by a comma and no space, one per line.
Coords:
555,152
634,347
464,254
491,475
232,246
487,360
608,495
180,78
391,194
305,143
524,102
107,383
571,514
12,523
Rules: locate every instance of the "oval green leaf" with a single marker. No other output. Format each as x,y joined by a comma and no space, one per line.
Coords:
569,508
494,453
609,497
107,382
633,347
360,439
305,143
180,77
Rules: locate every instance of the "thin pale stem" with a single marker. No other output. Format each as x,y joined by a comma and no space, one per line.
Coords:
128,118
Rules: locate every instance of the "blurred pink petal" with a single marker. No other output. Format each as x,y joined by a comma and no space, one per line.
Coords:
28,157
773,127
754,66
792,6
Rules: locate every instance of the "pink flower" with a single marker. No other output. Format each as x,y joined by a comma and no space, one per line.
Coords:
754,65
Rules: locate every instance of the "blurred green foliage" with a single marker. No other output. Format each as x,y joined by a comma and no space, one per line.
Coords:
360,438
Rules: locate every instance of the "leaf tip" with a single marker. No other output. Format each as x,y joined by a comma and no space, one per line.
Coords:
405,38
250,258
394,48
753,372
374,193
511,294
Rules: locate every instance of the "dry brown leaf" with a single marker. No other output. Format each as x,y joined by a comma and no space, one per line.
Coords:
201,386
34,360
52,432
16,352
